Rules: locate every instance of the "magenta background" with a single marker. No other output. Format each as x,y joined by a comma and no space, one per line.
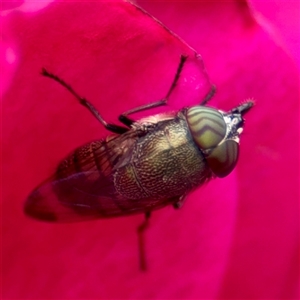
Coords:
235,238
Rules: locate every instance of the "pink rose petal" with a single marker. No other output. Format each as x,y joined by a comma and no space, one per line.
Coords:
236,237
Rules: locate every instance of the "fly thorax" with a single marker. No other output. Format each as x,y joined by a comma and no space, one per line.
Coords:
216,133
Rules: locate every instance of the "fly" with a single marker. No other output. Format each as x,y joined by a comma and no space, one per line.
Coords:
144,165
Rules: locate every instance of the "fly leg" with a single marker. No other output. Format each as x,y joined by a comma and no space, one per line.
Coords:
111,127
141,240
179,202
209,95
128,121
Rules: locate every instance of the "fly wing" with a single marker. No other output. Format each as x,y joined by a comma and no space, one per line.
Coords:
83,184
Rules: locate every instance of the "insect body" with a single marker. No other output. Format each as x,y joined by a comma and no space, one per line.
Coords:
154,162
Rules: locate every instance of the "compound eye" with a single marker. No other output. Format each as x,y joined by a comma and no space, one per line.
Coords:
207,126
223,158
